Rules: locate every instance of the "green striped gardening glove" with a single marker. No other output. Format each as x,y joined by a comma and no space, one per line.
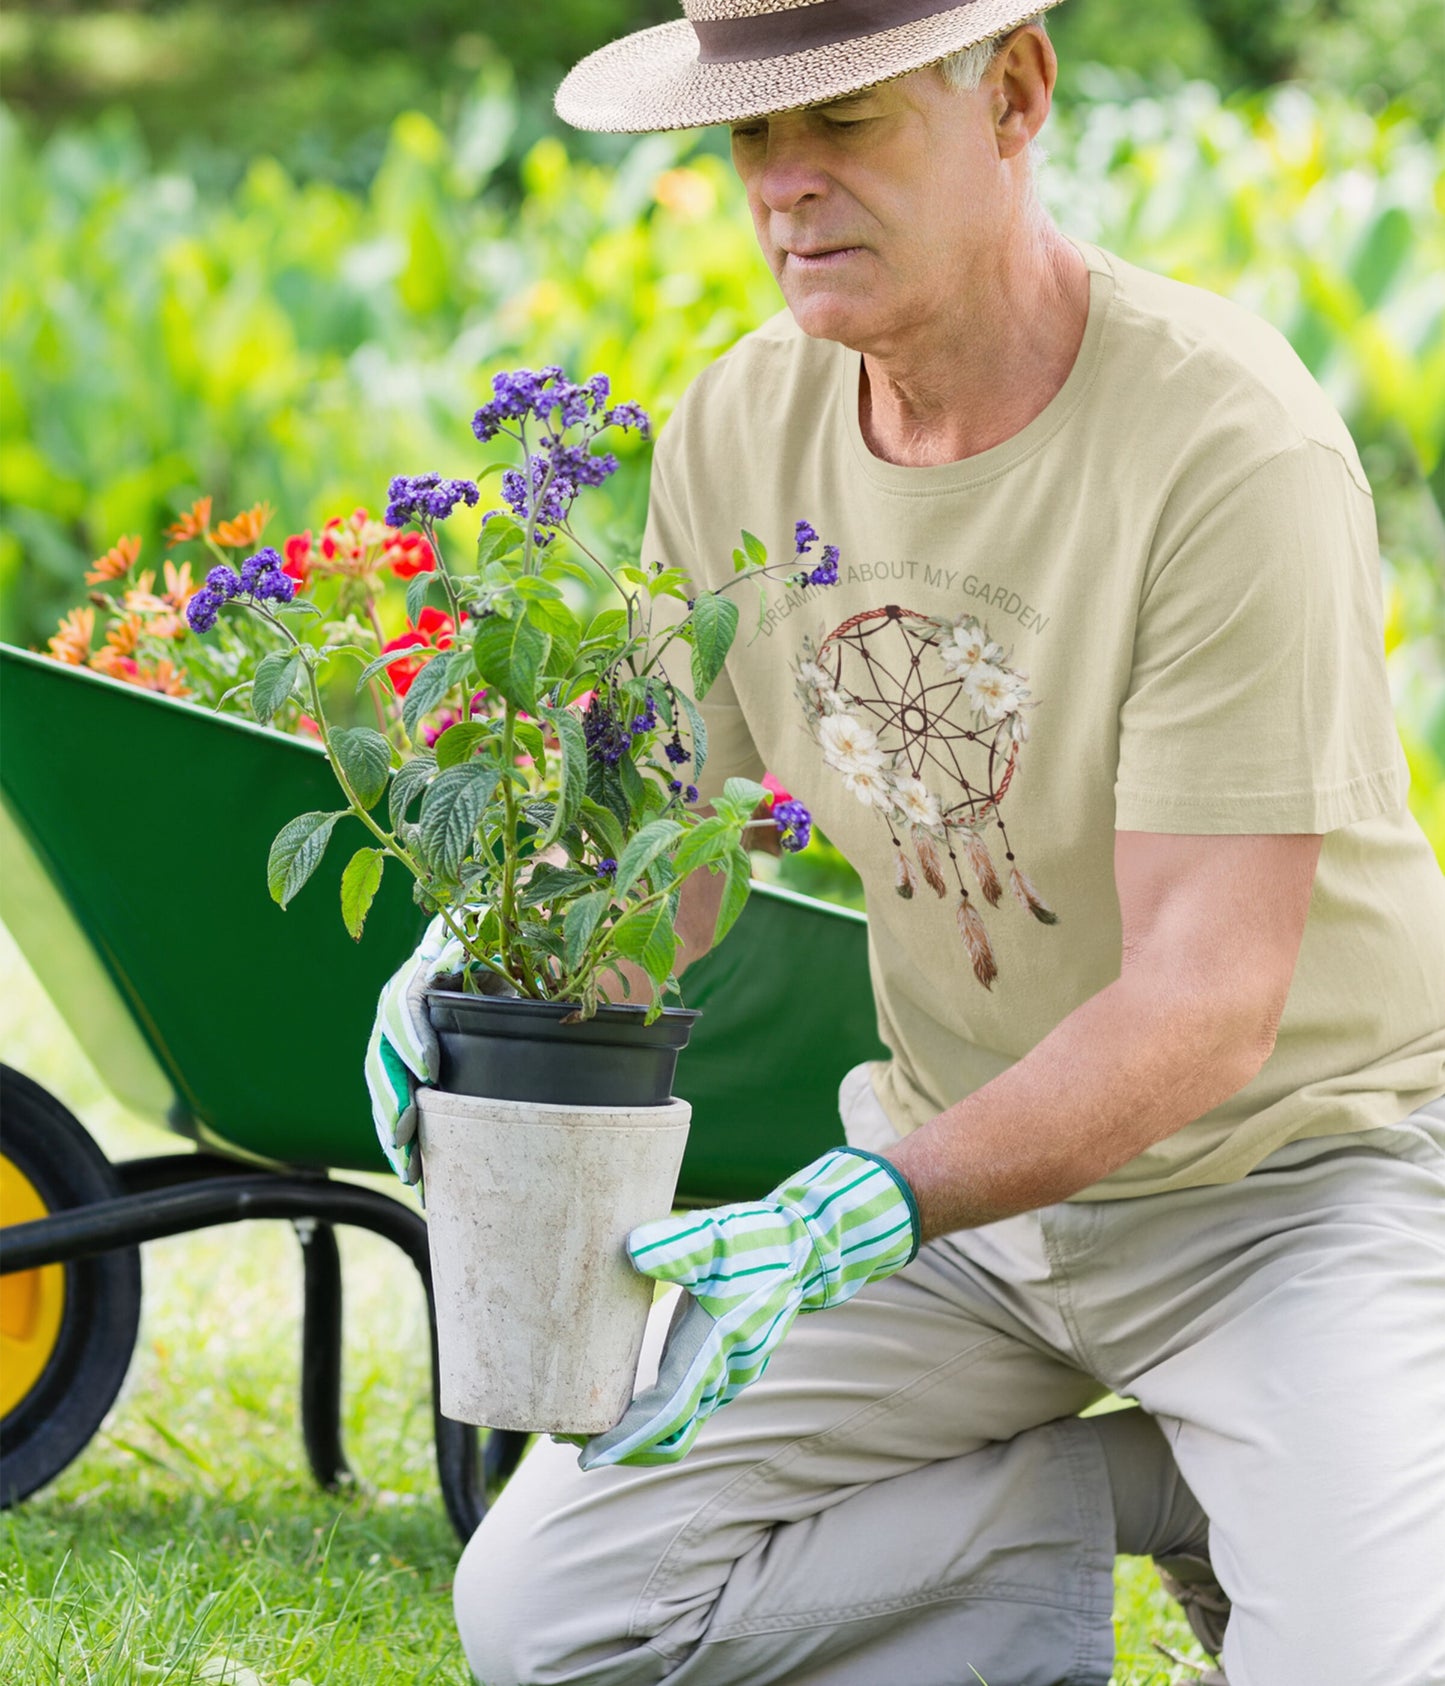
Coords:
846,1219
402,1051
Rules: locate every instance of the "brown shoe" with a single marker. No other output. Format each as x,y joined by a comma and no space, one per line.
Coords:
1190,1581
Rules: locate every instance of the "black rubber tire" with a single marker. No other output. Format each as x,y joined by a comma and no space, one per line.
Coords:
54,1422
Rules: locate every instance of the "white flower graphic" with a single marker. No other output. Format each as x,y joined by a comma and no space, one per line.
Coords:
869,784
992,689
966,646
917,803
849,745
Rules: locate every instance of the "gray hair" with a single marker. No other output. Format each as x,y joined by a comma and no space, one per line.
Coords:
964,72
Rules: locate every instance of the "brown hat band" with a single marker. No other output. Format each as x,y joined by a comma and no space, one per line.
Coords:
824,23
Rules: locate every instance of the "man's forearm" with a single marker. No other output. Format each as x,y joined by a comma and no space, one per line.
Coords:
1124,1070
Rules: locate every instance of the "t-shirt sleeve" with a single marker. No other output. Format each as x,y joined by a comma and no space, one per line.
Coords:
1258,699
731,752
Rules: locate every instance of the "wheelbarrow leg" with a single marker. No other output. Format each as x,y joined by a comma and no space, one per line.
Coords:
321,1353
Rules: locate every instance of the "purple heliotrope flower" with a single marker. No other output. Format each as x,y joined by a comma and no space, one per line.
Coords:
203,608
607,739
805,536
794,823
261,578
826,573
607,868
416,495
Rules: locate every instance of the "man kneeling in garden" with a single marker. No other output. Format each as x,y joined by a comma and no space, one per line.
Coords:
1098,709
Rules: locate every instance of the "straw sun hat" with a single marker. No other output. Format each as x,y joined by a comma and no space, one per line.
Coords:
728,60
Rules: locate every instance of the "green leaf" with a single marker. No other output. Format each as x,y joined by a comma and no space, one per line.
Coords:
454,802
296,853
300,606
641,851
365,758
572,785
605,787
581,921
669,583
429,687
500,537
509,655
605,626
528,739
456,744
550,883
411,779
564,629
756,549
646,936
709,840
740,561
385,659
275,676
743,795
735,893
633,575
630,783
602,825
715,625
699,734
533,589
416,594
359,885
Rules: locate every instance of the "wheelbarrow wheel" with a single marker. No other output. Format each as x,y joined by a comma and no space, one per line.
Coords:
67,1331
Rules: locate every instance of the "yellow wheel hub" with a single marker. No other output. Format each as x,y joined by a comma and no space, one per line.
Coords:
31,1301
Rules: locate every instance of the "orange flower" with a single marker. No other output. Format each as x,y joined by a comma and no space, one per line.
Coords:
124,635
115,562
71,642
165,678
180,588
141,599
167,625
192,525
115,664
245,529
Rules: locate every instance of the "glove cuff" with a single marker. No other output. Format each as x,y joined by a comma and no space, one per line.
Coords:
904,1189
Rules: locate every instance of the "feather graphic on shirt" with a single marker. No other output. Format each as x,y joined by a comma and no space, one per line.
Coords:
975,940
1031,899
902,875
983,868
929,860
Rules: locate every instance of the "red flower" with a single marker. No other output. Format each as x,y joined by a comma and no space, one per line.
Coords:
776,790
409,554
298,559
431,631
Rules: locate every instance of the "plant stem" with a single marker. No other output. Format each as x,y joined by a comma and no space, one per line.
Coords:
507,913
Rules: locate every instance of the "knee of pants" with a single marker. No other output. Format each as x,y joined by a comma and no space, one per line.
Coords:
540,1597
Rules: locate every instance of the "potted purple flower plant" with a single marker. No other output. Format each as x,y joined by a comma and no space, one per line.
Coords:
538,783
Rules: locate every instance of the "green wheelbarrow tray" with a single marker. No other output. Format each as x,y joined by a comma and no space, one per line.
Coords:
133,849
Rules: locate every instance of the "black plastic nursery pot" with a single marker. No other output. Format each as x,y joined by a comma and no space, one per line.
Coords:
514,1049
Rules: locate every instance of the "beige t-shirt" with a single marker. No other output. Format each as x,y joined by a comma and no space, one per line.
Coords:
1155,608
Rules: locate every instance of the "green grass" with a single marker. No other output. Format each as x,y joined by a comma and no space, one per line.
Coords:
187,1543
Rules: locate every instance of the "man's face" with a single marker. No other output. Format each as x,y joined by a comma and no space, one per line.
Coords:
870,210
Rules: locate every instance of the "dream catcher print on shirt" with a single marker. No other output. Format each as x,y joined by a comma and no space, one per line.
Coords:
924,720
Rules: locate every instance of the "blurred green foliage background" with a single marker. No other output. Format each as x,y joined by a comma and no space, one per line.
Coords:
276,252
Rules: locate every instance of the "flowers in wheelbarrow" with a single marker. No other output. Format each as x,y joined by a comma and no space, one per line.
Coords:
536,764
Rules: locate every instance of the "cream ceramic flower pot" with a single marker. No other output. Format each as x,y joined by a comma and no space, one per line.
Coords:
540,1314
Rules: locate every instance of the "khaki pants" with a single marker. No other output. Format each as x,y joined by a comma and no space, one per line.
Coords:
907,1497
